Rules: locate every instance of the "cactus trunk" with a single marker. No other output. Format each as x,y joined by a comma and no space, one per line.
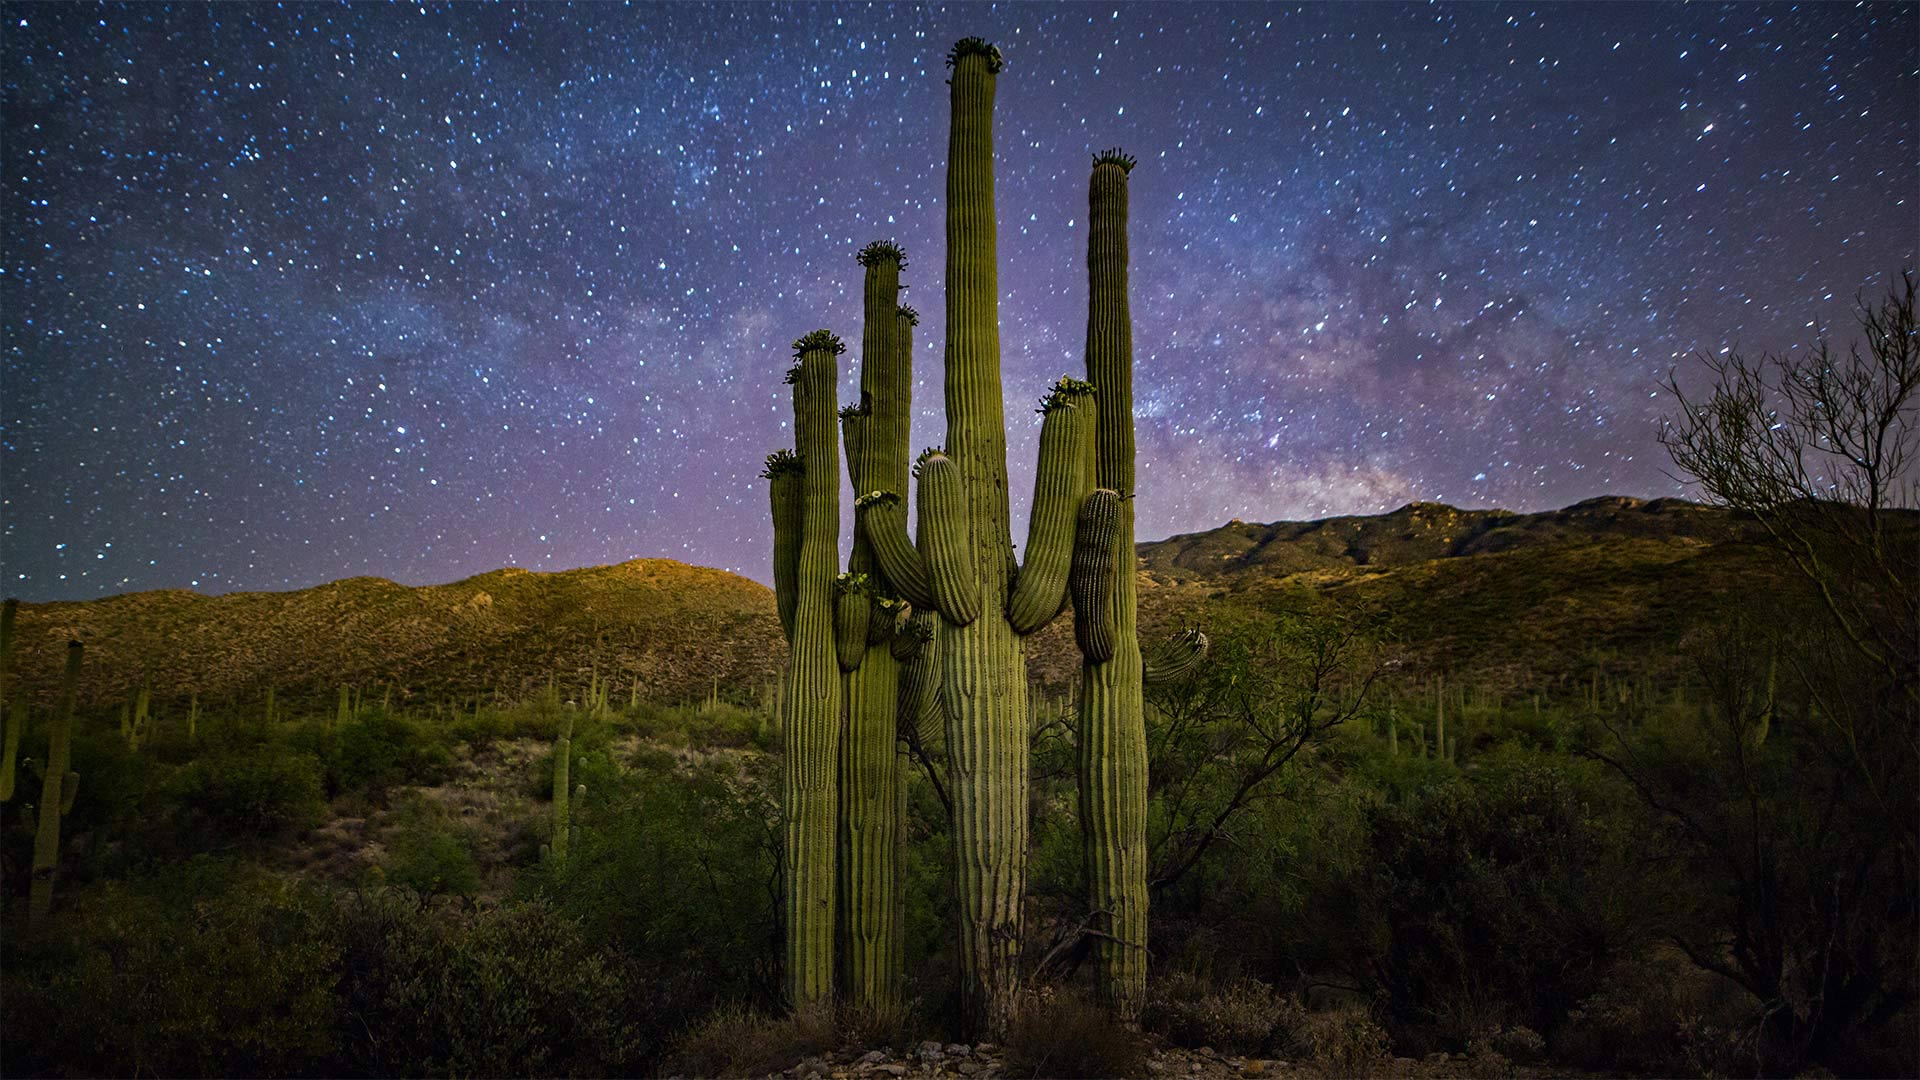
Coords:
11,719
871,791
1113,735
58,788
812,695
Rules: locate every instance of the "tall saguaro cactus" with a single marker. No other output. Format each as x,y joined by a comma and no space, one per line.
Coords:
58,788
1113,736
963,565
871,796
806,514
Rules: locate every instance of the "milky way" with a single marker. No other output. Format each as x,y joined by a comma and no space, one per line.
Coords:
297,293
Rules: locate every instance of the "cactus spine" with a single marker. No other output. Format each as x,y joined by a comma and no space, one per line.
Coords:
963,565
871,794
1113,736
58,788
812,697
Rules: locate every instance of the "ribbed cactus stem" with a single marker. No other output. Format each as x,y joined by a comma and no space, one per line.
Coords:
812,698
1091,577
1060,485
852,611
871,819
58,787
983,674
1176,659
950,557
1113,736
883,520
783,472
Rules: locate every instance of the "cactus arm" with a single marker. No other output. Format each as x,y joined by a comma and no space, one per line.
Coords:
15,719
1060,485
813,695
943,538
56,792
1092,575
1176,659
883,519
784,473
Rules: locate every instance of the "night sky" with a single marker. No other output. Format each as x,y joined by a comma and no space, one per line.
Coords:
299,292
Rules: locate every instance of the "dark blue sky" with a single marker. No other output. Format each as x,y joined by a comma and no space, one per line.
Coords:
297,292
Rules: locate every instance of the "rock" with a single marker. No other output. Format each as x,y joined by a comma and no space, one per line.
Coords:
1254,1068
958,1050
1205,1051
1195,1067
968,1068
873,1057
929,1051
894,1069
985,1048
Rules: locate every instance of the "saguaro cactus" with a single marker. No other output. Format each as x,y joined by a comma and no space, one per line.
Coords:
963,566
806,515
58,788
872,800
562,790
1113,736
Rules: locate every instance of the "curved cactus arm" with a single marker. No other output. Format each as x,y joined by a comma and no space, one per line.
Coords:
852,610
1091,577
883,622
69,791
914,635
921,718
945,542
784,471
883,518
1176,659
1060,485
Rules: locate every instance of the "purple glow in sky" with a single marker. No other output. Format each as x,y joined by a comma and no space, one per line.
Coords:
292,293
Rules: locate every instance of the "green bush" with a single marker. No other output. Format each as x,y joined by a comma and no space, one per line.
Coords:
261,791
210,970
382,749
1244,1017
432,858
737,1041
507,991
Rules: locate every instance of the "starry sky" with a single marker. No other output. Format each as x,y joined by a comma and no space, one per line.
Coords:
294,292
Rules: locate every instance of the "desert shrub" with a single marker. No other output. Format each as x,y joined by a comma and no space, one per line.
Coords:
675,867
507,991
1345,1042
381,749
1497,904
260,791
1657,1013
431,857
737,1041
212,969
1244,1017
1060,1035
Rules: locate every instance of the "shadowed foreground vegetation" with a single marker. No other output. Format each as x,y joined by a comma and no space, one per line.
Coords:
1376,860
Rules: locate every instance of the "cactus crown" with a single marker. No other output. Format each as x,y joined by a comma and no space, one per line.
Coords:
852,584
1063,393
973,46
819,339
882,249
912,316
872,498
793,375
887,603
782,463
864,408
930,451
921,631
1114,156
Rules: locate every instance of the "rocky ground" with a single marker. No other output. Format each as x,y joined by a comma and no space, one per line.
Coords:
985,1061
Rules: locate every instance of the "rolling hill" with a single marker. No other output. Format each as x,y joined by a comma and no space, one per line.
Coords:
1522,599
